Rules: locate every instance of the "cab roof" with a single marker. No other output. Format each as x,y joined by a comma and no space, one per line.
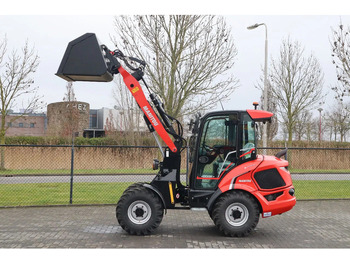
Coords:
259,115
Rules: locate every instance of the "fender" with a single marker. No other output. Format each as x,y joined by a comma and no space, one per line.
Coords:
212,199
231,180
158,193
242,187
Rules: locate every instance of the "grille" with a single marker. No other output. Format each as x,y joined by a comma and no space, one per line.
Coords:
269,179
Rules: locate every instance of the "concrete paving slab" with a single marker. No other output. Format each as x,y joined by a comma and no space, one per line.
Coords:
311,224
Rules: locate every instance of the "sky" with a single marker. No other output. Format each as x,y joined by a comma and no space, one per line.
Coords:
50,31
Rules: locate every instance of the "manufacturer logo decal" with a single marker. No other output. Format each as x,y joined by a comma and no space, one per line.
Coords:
249,166
245,181
150,116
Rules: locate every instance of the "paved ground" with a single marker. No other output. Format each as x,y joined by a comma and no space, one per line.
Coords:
311,224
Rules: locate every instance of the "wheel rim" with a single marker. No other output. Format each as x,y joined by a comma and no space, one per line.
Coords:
139,212
236,214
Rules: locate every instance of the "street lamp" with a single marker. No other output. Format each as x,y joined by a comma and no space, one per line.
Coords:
264,137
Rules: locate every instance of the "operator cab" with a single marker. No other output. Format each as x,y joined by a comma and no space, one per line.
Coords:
221,141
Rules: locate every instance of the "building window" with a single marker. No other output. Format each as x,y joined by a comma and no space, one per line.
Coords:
93,121
20,125
9,124
32,125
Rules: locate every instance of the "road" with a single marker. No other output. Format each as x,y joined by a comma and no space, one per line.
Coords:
30,179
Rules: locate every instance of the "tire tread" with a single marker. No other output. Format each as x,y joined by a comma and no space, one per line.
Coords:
218,214
134,192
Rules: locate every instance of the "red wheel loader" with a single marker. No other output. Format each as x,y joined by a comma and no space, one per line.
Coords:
226,176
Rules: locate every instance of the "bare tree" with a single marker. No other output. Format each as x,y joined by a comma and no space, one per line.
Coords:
331,125
72,115
16,83
110,125
70,95
312,129
340,44
296,83
339,118
302,125
130,115
190,58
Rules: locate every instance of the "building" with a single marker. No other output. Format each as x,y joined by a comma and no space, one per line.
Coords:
62,117
116,119
31,124
88,122
95,124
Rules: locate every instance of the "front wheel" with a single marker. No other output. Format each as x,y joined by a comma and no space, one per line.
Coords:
139,211
236,214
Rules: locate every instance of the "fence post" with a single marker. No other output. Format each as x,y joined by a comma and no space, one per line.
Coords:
71,171
187,165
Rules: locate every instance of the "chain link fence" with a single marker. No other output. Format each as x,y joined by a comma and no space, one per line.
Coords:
60,175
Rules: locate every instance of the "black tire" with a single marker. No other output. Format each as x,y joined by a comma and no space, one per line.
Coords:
139,210
135,185
236,214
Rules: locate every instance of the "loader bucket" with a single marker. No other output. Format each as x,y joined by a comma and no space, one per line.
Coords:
84,61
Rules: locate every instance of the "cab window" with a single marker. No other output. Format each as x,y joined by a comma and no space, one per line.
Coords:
217,149
248,137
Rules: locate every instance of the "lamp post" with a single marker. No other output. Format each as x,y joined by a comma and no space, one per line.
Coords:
264,137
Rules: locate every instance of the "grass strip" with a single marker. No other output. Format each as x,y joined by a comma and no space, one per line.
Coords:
58,193
322,189
319,171
109,193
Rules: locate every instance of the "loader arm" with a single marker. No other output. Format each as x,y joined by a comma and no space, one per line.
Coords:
86,60
135,88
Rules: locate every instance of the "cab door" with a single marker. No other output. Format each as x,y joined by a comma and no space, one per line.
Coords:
217,150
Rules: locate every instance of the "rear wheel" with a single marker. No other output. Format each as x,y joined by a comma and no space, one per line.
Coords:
236,214
139,210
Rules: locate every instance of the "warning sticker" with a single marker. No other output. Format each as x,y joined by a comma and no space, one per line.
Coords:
134,90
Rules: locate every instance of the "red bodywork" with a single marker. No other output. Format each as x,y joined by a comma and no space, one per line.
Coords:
259,115
137,92
242,178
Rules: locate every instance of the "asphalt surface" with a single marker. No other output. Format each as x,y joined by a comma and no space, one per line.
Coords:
310,224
